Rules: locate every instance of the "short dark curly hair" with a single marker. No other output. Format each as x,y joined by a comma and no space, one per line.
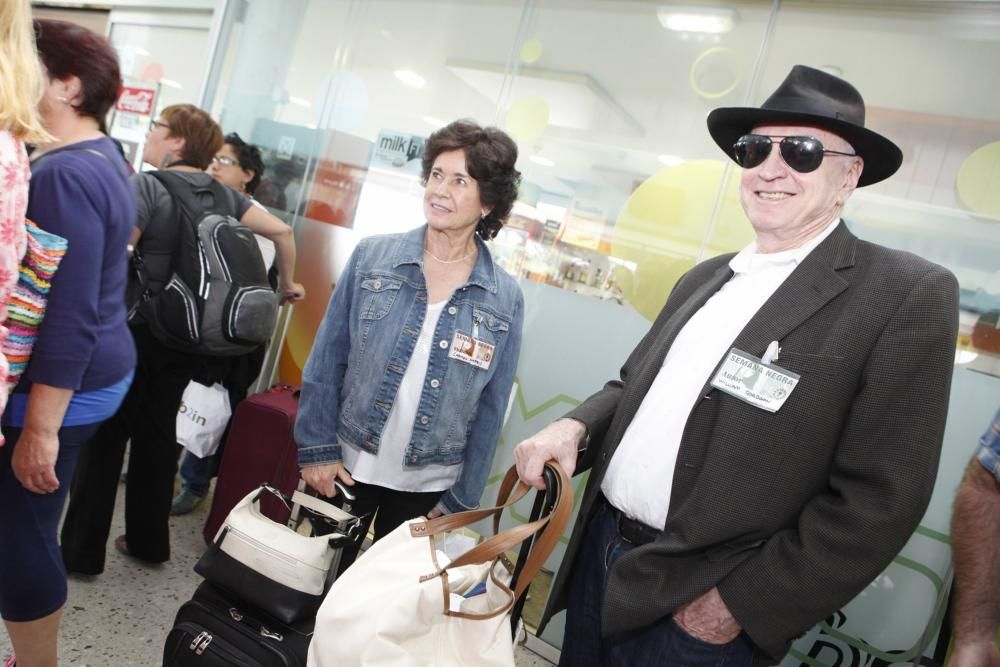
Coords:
490,156
249,157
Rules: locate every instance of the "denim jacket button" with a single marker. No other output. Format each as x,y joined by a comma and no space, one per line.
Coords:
452,310
424,419
435,383
377,284
443,344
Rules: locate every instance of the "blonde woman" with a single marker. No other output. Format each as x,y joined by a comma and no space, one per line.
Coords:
21,86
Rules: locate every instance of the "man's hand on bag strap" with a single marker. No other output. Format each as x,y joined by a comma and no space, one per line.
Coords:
552,527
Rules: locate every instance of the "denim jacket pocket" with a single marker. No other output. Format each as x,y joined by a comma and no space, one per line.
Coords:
496,325
378,295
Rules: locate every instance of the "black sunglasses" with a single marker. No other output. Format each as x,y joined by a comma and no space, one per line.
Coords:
803,154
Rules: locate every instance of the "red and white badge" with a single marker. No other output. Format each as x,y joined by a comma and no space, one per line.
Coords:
471,350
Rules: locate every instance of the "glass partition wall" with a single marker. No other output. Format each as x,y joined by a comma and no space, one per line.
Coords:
623,188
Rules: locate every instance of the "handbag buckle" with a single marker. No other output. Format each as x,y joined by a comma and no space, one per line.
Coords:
275,492
264,632
235,614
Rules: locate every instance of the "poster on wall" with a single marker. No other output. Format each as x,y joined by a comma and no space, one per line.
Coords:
398,152
130,117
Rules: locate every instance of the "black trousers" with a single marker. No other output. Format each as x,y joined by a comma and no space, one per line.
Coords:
147,417
387,507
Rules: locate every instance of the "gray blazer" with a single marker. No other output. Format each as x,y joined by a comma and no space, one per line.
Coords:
793,513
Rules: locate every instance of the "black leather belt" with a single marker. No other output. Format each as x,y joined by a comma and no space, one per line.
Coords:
632,531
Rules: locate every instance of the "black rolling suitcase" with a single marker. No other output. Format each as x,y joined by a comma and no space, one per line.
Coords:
223,624
213,631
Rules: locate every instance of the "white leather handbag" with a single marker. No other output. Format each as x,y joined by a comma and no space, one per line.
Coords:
400,605
270,565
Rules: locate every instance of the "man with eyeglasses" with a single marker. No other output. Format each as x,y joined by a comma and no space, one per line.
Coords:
772,442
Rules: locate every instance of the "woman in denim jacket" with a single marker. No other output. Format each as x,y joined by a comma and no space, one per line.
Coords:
408,380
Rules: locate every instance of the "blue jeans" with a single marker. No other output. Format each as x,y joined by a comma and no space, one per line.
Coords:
196,473
662,644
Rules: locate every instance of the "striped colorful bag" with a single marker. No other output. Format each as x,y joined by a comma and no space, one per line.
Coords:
26,306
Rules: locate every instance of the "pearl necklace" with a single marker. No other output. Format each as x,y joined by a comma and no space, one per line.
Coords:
450,261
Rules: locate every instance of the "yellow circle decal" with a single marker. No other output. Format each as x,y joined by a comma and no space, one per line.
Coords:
663,229
716,72
531,50
978,182
527,118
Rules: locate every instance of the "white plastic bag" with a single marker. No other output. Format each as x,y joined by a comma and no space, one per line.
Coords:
202,418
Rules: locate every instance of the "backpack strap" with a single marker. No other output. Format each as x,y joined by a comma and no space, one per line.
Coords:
182,192
189,211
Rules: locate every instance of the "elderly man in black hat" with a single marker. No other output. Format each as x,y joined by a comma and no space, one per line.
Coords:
772,442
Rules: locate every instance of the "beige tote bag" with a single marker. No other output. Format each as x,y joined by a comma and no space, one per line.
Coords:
399,606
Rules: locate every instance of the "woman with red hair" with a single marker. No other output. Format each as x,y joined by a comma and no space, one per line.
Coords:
83,358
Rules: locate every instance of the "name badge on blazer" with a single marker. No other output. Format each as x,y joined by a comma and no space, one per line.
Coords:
470,350
749,379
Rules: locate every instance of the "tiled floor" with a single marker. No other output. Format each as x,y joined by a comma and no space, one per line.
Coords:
121,618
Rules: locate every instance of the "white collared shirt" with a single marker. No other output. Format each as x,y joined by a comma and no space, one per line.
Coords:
639,478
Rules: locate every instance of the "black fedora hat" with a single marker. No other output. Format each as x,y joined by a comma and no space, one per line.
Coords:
814,98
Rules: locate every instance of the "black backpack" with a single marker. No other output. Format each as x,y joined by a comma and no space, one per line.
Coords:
217,300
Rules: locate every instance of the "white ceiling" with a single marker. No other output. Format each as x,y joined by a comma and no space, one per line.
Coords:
937,59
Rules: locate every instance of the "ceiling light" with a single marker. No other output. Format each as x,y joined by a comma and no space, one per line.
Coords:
670,160
300,102
434,122
142,52
712,20
170,83
410,78
543,161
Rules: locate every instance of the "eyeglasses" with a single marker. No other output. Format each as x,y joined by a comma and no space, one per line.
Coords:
803,154
224,160
153,124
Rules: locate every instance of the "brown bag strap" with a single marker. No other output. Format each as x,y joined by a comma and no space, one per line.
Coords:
554,524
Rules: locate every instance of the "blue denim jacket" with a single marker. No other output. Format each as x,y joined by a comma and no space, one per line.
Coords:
366,340
989,447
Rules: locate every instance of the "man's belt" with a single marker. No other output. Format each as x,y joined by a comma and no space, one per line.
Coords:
632,531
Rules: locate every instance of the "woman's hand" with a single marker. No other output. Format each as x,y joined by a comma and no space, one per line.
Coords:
291,292
321,478
34,461
36,451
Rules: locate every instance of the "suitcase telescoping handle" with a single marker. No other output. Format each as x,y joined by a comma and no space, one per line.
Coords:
347,524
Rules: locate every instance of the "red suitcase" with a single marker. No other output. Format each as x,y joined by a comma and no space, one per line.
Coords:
260,449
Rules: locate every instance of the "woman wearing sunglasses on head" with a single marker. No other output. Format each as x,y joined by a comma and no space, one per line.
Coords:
237,165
